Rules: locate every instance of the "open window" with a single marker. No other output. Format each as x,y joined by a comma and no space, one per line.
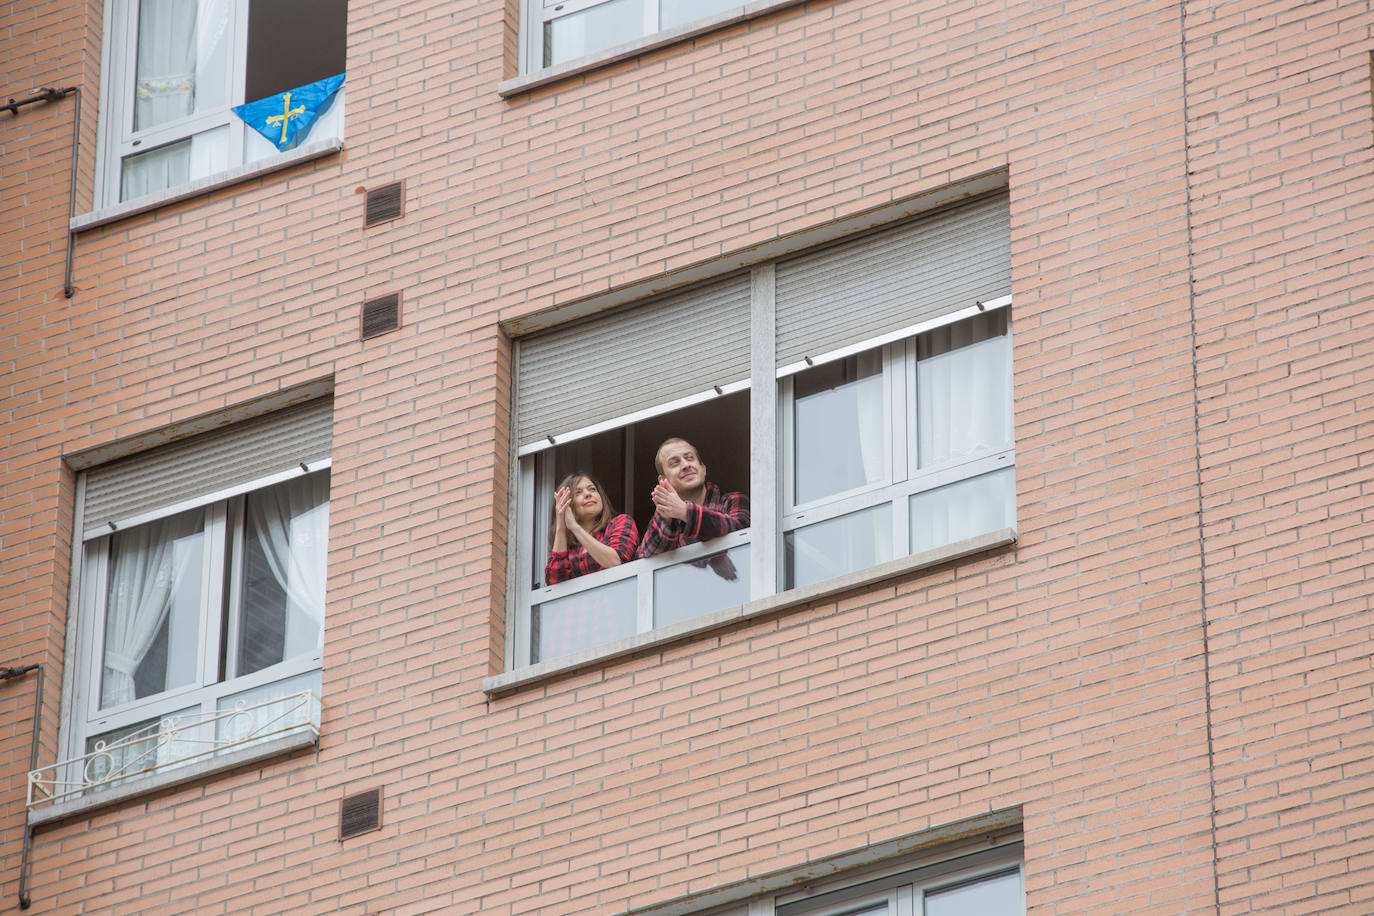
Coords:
174,69
858,394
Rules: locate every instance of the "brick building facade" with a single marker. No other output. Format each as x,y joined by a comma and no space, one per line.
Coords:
1146,688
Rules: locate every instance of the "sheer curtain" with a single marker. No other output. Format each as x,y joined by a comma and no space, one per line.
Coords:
963,390
291,524
145,570
182,68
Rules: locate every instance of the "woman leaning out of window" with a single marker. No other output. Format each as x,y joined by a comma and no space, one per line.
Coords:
585,534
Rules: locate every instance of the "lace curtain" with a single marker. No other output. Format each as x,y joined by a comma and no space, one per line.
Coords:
290,524
148,564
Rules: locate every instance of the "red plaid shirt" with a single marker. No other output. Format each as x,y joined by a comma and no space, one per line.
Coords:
620,534
718,515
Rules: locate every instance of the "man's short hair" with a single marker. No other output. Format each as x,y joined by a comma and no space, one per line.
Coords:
658,468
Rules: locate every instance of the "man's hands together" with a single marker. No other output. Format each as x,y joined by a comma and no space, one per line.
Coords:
667,503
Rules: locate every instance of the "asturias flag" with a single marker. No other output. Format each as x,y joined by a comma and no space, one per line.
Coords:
281,117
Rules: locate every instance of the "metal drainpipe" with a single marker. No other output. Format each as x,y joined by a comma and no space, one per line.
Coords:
8,674
55,95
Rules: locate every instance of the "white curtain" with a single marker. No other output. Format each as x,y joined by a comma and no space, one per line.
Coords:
291,524
182,68
872,423
963,510
963,392
145,570
165,74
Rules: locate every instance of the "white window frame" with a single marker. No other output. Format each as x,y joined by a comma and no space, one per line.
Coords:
901,885
535,14
199,701
772,516
117,140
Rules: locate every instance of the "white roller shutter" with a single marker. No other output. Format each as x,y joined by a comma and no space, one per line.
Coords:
608,366
894,278
208,465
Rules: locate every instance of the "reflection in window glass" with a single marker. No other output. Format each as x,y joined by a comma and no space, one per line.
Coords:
270,719
839,545
590,618
702,586
963,510
963,389
152,617
839,422
592,30
676,12
996,896
281,607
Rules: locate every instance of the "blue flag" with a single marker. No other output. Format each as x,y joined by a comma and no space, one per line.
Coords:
286,115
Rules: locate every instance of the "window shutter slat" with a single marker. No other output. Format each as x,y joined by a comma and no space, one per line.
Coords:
209,463
681,344
893,278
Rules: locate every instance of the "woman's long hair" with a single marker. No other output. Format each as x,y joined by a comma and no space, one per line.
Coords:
607,510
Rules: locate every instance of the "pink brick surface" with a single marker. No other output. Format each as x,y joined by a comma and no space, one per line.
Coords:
1191,213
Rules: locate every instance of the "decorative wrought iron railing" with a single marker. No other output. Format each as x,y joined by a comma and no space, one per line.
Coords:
173,741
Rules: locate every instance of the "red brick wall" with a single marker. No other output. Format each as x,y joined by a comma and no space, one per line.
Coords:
1067,675
1279,99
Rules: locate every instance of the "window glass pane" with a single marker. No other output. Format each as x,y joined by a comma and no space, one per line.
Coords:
277,709
577,622
183,59
997,896
839,545
138,748
963,390
963,510
593,29
278,60
676,12
281,606
701,586
153,608
155,170
839,427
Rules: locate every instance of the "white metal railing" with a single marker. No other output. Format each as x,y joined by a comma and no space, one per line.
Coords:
173,741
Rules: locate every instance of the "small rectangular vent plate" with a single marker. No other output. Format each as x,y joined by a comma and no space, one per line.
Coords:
360,813
384,204
381,315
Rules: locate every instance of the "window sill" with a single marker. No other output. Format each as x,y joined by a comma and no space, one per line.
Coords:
543,77
509,681
190,772
205,185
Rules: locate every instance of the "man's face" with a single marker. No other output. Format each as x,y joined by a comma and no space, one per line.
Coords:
679,463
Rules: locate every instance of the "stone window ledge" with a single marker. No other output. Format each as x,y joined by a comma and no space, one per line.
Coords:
205,185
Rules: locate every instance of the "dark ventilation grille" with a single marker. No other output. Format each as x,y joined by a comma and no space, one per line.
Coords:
360,813
383,204
381,315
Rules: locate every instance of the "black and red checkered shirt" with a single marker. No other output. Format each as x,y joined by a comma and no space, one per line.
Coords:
620,534
719,514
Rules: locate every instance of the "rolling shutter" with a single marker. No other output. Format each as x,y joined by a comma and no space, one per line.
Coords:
894,278
210,465
611,365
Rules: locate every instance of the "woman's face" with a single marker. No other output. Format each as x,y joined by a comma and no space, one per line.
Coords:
586,501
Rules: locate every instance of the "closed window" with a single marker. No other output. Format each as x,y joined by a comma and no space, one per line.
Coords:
556,31
854,400
175,68
200,616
